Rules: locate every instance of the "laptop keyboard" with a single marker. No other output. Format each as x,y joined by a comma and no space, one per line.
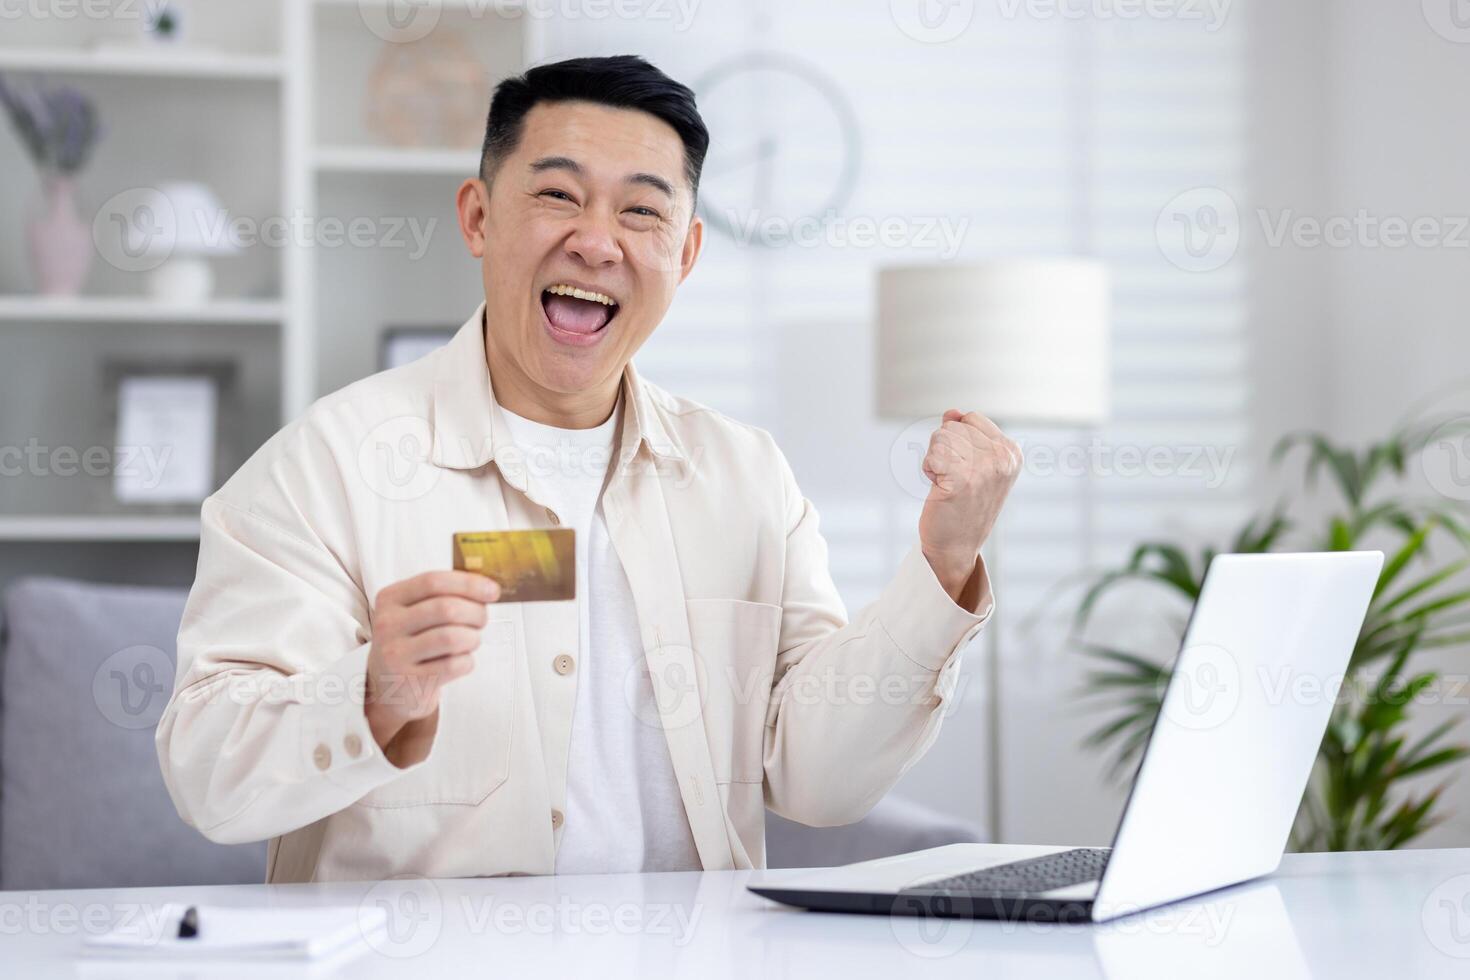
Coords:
1028,877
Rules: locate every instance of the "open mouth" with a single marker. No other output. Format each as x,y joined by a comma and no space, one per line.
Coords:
577,315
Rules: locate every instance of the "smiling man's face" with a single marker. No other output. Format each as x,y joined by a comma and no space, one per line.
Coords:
588,232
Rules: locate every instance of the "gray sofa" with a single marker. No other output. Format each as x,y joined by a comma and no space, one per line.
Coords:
85,671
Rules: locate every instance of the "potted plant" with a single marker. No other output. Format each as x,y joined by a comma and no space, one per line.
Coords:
1357,798
58,127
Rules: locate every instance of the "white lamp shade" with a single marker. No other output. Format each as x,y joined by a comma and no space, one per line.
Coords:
180,218
1021,341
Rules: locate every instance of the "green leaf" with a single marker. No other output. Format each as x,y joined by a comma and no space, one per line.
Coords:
1433,761
1400,558
1424,585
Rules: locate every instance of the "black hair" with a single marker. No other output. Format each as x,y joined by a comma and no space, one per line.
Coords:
622,81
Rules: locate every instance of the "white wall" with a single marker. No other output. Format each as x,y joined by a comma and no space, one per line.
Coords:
1353,104
1398,146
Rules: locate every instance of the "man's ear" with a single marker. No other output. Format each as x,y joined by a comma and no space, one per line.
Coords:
472,204
693,245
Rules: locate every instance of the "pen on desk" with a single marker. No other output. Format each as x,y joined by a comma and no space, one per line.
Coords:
189,924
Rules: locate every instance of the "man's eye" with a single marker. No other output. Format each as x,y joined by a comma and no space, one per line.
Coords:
558,195
643,212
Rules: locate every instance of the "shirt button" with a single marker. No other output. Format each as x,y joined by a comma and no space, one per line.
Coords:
353,745
556,819
322,756
563,664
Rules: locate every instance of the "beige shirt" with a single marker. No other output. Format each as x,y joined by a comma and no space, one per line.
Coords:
768,697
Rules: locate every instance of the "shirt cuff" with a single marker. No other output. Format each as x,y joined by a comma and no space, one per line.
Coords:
921,618
337,741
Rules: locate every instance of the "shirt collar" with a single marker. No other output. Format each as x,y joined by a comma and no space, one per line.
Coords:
469,426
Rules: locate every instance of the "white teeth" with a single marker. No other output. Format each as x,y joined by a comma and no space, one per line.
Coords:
573,291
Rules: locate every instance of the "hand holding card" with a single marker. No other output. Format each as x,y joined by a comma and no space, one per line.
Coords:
426,630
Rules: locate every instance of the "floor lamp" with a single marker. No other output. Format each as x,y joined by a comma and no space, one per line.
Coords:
1024,342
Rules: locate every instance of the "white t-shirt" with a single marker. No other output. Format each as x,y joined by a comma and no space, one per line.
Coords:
623,809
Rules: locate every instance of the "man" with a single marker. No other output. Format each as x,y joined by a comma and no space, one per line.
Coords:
344,693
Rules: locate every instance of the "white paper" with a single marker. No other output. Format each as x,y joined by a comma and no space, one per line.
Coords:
165,439
277,932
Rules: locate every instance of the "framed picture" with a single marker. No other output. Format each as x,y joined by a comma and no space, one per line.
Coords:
401,345
167,449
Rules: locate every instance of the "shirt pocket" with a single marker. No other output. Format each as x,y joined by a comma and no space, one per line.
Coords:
472,747
735,644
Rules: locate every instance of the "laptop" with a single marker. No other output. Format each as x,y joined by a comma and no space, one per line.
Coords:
1217,789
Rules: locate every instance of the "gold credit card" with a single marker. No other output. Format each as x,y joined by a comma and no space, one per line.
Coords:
531,566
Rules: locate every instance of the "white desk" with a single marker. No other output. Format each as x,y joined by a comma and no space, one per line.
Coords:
1376,916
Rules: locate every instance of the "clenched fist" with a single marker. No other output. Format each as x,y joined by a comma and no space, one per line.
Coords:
425,632
971,466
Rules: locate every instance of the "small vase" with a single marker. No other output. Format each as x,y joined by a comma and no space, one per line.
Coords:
61,242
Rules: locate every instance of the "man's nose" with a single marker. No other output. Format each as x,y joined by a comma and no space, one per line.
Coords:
594,239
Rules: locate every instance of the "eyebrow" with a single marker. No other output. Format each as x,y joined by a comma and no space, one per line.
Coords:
571,166
652,180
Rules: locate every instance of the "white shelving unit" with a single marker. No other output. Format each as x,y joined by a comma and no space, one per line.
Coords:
89,528
129,309
143,62
295,90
